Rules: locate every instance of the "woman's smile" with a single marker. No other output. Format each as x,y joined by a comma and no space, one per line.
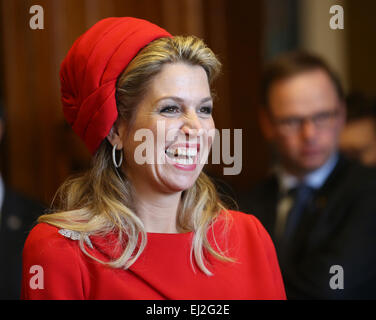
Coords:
183,156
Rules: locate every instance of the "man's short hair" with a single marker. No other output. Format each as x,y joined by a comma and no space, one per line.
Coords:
291,64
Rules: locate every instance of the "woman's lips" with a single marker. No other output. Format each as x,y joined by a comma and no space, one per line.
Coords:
183,156
184,167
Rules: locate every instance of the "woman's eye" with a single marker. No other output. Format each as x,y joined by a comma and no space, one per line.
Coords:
206,110
170,109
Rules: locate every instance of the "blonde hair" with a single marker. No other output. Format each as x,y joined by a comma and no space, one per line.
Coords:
100,202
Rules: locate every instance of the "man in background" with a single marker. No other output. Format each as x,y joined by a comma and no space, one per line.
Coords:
358,139
318,206
17,215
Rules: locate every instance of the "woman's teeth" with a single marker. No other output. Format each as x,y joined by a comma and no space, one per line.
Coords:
182,155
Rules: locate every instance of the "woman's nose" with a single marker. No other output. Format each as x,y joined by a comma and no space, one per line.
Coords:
192,124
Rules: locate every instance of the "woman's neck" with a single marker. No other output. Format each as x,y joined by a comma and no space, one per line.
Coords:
157,211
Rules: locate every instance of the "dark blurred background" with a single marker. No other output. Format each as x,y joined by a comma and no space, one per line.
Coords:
39,150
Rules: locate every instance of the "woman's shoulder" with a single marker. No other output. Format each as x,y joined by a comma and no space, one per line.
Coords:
45,239
52,260
255,242
43,232
245,225
244,219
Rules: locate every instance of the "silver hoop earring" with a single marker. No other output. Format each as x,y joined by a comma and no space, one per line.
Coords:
117,165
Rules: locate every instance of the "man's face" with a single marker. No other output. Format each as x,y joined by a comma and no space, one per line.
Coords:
304,120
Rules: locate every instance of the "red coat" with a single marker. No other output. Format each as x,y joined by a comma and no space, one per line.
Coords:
163,271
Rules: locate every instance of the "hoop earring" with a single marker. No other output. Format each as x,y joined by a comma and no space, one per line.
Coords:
117,165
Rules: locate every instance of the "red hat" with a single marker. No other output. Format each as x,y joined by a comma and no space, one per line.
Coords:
90,70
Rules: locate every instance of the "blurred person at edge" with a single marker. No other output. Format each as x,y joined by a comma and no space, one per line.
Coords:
358,138
145,231
318,206
17,215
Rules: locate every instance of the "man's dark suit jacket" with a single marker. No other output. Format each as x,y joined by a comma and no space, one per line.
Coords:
17,217
339,228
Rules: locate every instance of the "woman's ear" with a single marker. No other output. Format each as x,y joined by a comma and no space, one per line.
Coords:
116,134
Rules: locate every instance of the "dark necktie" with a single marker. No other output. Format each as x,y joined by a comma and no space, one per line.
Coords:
302,195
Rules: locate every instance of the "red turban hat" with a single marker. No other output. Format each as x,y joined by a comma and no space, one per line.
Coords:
90,70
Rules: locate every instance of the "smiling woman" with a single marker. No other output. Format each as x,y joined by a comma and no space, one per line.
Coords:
179,89
152,230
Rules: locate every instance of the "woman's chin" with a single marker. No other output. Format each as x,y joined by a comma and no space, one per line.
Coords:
176,180
177,185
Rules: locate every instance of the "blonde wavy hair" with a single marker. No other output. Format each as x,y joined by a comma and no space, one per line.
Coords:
100,202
